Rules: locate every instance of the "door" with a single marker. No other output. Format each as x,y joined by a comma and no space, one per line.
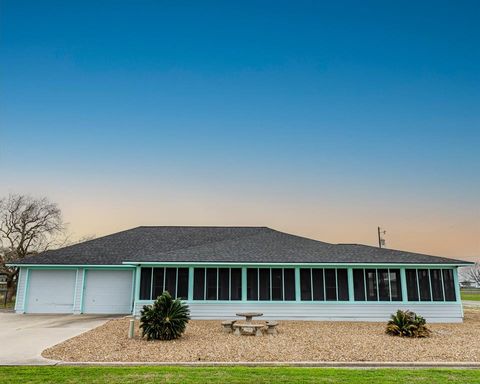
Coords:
50,291
108,291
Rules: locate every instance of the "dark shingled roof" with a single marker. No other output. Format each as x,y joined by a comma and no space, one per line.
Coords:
221,244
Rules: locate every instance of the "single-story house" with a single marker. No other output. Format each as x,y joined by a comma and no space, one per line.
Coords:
220,271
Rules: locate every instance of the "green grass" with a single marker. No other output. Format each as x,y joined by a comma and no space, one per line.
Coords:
63,374
470,296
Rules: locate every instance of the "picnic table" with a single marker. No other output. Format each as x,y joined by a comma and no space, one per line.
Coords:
249,315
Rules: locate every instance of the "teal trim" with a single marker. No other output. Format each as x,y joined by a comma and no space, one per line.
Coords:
190,283
75,291
351,293
457,287
132,296
25,293
68,266
82,292
297,284
282,265
244,284
137,283
394,304
403,285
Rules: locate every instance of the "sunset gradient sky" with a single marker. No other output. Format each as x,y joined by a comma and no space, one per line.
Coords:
323,119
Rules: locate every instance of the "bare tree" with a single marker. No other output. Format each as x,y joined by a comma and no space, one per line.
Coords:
27,226
473,274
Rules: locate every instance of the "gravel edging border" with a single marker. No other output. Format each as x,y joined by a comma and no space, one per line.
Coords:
311,364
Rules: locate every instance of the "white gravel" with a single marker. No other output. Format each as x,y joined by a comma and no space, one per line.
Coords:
296,341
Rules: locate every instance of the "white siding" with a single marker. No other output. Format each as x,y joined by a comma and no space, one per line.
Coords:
21,286
433,312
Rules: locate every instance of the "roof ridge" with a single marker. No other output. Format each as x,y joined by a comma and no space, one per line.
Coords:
202,226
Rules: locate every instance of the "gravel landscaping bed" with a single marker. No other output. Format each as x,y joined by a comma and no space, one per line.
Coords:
296,341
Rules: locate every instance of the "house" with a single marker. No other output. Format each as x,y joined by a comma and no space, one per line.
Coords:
223,270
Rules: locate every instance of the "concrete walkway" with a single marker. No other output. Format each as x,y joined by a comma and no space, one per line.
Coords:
24,337
471,303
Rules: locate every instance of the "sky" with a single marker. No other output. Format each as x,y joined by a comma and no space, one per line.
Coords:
322,119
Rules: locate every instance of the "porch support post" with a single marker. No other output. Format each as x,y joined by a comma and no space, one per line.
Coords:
138,271
244,284
457,288
190,283
350,285
403,284
297,284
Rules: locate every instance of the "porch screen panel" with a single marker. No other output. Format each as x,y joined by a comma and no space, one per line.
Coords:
306,284
317,279
289,283
199,284
424,285
252,284
436,282
171,281
154,281
182,283
223,283
277,284
330,285
145,283
264,283
211,284
412,287
449,284
236,284
395,285
371,283
342,283
359,284
158,281
383,285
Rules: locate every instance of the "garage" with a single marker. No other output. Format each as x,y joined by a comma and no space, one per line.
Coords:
51,291
108,291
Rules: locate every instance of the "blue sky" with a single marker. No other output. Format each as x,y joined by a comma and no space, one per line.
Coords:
321,118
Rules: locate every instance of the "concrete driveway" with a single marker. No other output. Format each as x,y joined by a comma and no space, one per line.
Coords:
24,337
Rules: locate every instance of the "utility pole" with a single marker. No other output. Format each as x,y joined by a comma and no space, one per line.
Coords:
381,241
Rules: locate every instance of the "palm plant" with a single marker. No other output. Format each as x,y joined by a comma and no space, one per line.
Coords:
166,319
407,324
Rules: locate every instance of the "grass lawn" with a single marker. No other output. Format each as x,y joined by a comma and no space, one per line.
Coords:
470,296
233,375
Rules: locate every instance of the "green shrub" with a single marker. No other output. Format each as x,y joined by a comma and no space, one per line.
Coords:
407,324
166,319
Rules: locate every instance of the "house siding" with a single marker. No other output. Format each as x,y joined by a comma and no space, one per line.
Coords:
281,310
377,312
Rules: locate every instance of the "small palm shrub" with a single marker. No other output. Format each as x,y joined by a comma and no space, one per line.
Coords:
407,324
166,319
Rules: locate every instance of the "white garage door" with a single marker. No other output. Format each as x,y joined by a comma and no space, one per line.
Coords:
51,291
108,292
